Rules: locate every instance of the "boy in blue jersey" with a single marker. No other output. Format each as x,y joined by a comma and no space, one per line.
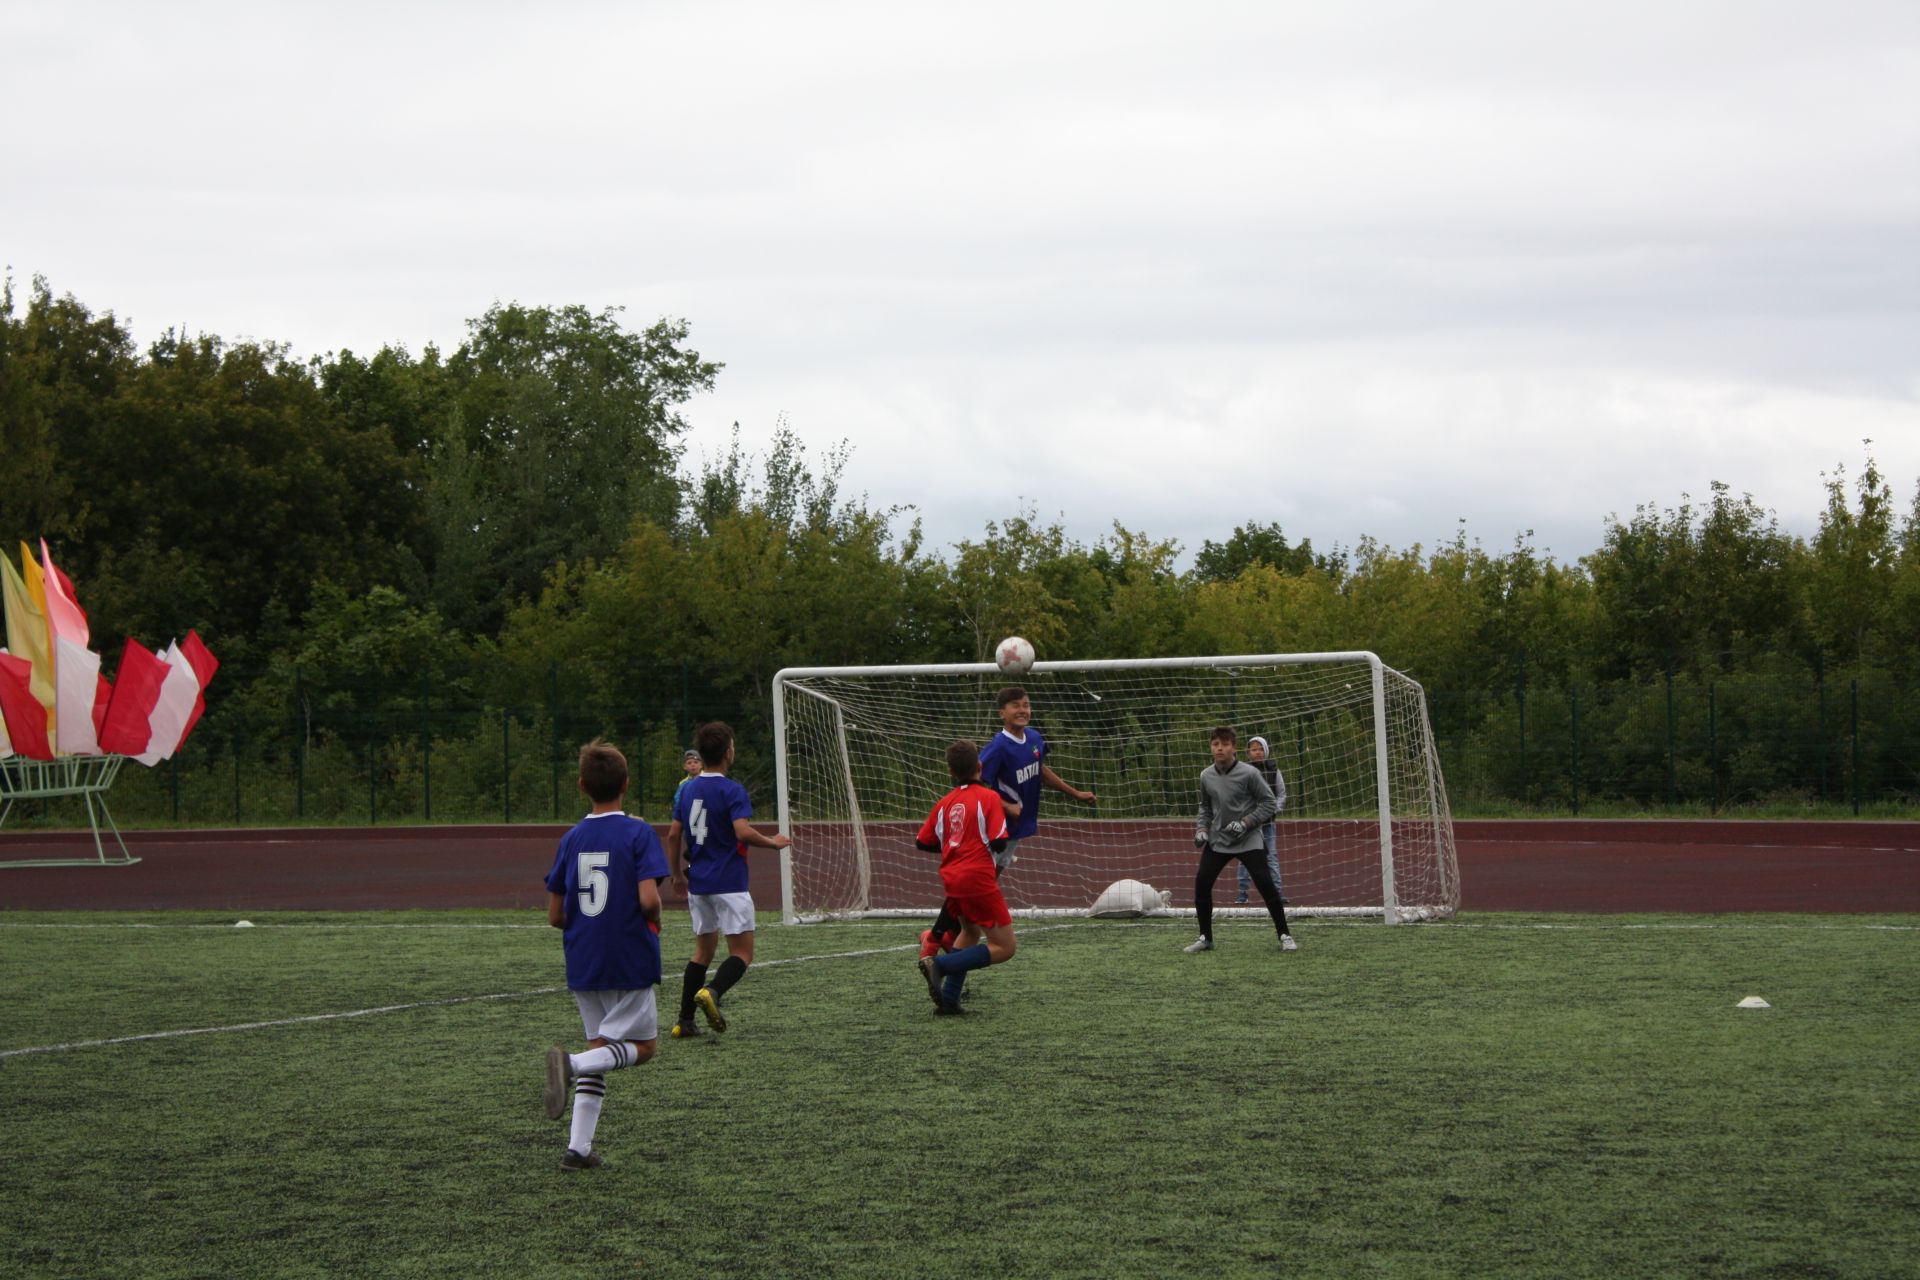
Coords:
707,845
1014,764
603,890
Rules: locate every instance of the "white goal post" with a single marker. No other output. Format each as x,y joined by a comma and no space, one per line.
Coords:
859,759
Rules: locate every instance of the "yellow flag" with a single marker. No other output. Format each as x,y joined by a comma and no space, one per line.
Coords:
36,578
27,633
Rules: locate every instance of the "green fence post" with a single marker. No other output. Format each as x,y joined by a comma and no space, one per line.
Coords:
1713,743
1820,688
553,732
173,778
1673,777
426,744
1523,728
371,809
236,779
1853,690
299,747
1573,698
506,765
686,704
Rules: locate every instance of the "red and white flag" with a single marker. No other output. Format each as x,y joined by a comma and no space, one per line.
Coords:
174,712
26,718
136,690
76,682
65,618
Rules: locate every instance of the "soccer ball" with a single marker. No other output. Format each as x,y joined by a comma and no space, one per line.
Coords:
1014,656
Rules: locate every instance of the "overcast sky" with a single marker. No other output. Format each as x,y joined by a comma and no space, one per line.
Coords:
1363,268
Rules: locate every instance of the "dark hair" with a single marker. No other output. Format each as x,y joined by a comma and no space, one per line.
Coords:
1223,733
963,760
603,771
1012,693
712,741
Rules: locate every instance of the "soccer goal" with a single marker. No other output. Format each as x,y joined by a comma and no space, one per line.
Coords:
860,758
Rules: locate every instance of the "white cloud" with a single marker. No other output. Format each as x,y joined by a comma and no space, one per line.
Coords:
1520,263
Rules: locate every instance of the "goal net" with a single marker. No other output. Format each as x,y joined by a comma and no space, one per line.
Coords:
860,758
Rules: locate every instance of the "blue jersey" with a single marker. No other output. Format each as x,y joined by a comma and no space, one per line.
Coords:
1013,769
597,870
705,809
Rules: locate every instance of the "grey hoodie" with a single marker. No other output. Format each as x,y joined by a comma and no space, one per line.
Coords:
1239,793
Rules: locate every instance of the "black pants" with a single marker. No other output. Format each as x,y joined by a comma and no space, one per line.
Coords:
1213,862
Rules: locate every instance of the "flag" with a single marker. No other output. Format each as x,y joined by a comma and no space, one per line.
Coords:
136,690
26,717
204,664
77,676
168,723
65,618
102,698
28,641
35,580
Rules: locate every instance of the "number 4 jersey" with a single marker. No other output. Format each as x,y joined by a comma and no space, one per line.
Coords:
706,810
598,869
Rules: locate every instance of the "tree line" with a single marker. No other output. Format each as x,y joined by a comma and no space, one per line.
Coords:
514,524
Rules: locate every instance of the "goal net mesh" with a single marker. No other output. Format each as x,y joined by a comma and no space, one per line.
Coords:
864,761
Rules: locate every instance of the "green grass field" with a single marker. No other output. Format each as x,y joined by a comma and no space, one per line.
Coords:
1567,1095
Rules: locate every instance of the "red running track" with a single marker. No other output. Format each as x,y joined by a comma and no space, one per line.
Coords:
1691,866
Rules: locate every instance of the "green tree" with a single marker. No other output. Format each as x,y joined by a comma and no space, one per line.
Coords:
559,429
1854,565
1257,543
61,367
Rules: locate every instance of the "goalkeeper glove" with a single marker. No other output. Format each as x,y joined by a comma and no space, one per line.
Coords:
1236,829
1199,837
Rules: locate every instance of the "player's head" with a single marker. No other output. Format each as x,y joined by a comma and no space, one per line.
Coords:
1015,708
603,771
1257,748
1225,744
690,762
963,760
714,742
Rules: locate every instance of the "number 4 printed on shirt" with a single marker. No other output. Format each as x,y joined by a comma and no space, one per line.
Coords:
697,822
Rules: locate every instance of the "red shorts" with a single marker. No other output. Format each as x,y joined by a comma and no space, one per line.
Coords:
986,908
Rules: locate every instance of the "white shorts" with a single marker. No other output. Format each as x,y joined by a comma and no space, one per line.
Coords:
730,913
1004,859
618,1015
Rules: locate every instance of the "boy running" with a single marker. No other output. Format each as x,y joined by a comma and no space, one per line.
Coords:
603,890
1014,764
707,847
968,829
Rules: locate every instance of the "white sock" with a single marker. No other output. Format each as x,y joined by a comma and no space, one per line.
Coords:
608,1057
588,1093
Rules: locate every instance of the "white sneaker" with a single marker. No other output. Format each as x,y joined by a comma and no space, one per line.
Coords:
1200,944
1287,943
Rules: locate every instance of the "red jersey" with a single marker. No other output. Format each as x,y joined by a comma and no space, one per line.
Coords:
962,824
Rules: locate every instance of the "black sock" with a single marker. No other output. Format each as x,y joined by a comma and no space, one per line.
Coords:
689,987
732,969
946,922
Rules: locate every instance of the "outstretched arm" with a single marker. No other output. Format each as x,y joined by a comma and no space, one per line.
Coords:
746,833
1060,784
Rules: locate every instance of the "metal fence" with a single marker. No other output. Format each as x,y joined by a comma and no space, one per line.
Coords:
401,752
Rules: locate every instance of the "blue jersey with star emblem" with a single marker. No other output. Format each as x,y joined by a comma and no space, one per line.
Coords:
1013,769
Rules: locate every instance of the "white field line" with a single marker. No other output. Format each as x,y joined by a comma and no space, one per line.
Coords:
405,1008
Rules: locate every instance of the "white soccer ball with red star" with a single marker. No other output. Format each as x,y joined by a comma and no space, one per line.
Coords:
1014,656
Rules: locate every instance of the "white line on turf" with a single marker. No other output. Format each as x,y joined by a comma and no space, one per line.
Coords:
421,1004
276,1022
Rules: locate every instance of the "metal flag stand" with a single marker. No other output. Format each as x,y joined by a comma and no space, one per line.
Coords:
85,776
